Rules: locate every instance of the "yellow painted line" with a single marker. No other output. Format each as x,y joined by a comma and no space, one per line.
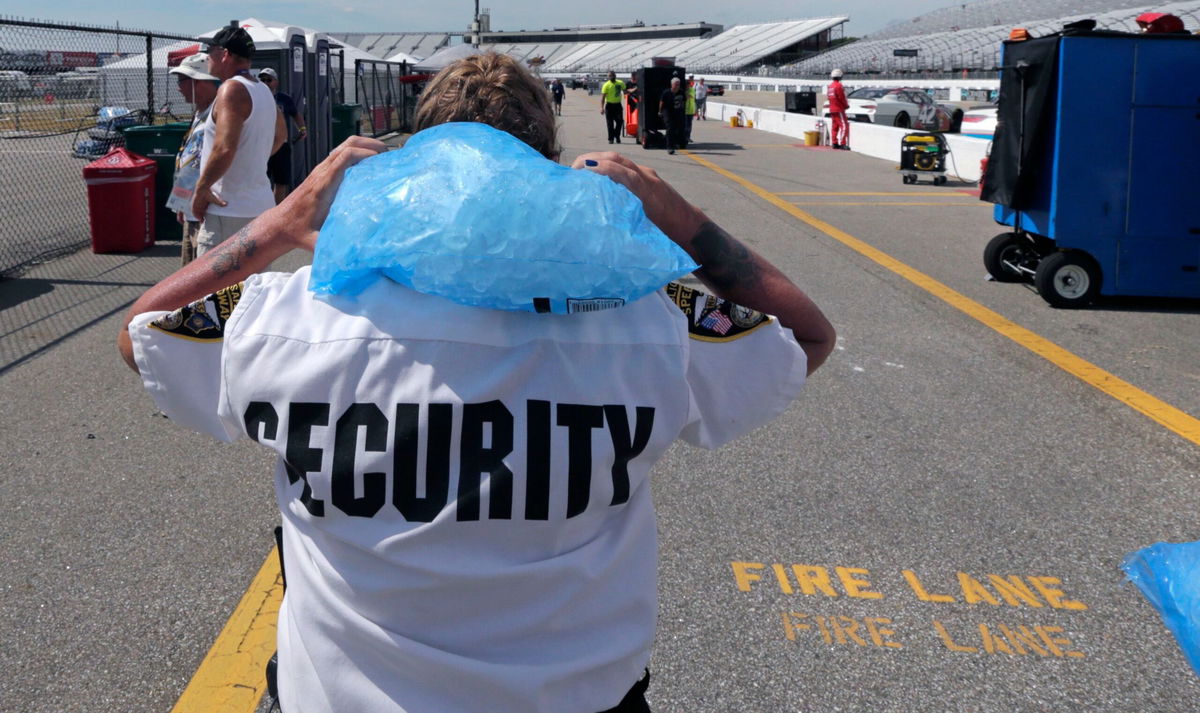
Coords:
976,204
231,678
1157,410
940,194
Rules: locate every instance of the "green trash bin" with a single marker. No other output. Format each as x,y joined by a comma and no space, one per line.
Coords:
160,144
346,118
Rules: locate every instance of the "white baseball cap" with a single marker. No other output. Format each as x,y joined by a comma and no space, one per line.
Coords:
267,71
194,67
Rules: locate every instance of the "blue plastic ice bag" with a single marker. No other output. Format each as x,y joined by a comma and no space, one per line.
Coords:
475,215
1168,574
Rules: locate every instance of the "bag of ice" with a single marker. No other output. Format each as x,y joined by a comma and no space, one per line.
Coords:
475,215
1168,575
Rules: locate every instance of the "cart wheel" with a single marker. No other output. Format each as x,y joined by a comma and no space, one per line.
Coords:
939,180
1001,253
1067,279
907,179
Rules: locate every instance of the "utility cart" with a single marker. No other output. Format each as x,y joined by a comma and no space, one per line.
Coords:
1095,166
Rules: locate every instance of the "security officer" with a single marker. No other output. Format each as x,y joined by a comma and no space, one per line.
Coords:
465,492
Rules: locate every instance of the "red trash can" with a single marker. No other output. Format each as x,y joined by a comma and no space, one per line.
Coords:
120,189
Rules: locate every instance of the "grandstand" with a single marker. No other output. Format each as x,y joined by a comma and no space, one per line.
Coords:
955,48
734,50
985,13
383,45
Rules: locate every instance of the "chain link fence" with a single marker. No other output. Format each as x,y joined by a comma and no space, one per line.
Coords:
66,92
388,95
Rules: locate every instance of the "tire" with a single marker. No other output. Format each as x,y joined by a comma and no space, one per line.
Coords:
956,121
1005,247
1067,279
901,120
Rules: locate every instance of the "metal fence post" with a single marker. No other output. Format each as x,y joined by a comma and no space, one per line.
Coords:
149,79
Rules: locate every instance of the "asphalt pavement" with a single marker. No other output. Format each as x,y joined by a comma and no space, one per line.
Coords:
936,524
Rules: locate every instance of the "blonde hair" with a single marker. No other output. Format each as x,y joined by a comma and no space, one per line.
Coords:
493,89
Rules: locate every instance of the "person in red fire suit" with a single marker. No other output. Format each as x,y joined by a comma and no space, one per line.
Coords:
839,131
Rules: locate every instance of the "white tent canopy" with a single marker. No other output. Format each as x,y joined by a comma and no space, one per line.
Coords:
123,83
440,59
405,57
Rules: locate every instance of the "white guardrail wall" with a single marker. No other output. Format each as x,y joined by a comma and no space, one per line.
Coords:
966,152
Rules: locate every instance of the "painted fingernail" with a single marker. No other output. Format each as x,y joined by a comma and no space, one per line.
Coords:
590,162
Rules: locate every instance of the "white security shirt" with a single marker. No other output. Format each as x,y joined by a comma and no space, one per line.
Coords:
465,495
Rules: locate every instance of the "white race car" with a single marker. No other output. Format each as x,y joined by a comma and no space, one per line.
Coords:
980,123
905,108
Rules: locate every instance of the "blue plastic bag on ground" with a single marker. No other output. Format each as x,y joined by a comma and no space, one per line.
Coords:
1168,574
473,214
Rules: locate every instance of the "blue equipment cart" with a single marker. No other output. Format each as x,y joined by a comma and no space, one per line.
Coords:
1096,166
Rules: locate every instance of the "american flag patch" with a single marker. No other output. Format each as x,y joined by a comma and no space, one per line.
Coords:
717,322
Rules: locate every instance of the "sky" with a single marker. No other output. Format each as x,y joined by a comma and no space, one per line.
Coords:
197,16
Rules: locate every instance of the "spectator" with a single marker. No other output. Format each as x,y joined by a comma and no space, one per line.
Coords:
434,590
279,166
238,138
199,88
671,106
611,93
557,91
701,97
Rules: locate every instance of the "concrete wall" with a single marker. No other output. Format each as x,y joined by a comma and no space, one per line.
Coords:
878,141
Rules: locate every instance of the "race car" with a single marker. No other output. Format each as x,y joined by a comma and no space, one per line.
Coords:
903,107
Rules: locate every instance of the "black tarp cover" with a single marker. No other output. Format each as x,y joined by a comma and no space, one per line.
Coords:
1030,68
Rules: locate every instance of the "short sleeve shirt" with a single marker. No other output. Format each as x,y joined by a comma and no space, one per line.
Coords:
674,102
612,91
287,105
447,475
187,167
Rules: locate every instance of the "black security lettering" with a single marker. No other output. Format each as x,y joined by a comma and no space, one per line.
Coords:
261,414
537,460
345,446
437,461
474,460
624,450
301,458
580,420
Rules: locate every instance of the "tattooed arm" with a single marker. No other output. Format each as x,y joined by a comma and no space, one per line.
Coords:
293,224
728,267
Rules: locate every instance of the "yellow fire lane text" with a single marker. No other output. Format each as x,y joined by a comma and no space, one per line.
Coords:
1035,640
1033,591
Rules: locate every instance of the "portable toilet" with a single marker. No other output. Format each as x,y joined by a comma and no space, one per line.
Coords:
319,110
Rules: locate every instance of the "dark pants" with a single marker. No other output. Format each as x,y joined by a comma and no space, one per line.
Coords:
612,117
676,136
635,700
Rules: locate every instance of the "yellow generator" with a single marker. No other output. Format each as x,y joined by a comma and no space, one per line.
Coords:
923,155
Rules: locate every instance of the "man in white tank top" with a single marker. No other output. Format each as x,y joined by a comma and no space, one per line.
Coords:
233,188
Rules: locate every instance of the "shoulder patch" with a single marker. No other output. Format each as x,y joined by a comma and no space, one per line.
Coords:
712,319
203,320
